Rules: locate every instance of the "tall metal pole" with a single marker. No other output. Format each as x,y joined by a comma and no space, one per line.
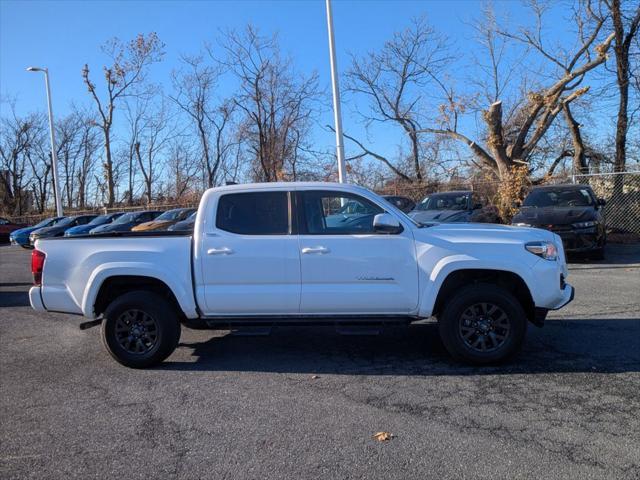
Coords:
54,156
337,115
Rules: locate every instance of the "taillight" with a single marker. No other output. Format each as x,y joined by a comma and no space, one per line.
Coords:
37,264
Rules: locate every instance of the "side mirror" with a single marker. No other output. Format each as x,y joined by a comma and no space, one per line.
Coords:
386,223
602,202
516,204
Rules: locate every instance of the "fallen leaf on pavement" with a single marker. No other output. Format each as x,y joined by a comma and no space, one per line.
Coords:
383,436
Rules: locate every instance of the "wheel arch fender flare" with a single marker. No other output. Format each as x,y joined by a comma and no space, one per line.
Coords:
184,297
458,263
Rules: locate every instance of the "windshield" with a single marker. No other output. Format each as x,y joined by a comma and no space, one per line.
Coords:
570,197
445,201
171,215
127,217
99,220
47,222
65,221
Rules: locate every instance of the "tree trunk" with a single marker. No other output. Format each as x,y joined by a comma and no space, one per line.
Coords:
579,157
108,167
621,49
416,155
495,140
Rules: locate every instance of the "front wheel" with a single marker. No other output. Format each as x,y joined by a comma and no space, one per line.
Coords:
482,324
140,329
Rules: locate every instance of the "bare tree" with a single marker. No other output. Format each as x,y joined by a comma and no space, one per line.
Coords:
514,141
18,136
276,104
626,22
69,152
183,167
89,143
154,135
39,157
395,82
127,72
195,85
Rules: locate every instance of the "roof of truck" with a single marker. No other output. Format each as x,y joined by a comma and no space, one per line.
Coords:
278,185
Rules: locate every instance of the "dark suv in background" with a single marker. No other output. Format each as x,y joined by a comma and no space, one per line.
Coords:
572,211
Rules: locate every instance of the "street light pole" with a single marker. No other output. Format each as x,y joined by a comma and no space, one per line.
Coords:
54,156
337,115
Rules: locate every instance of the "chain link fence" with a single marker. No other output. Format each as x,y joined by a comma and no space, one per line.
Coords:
621,191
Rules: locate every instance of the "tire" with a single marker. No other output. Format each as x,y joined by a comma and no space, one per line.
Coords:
464,320
140,329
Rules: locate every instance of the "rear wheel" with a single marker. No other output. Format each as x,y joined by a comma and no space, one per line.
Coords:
140,329
482,324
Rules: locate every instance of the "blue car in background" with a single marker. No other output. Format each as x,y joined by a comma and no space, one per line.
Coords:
59,228
21,237
96,222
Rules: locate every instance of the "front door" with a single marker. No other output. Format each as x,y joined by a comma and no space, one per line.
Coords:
346,266
250,261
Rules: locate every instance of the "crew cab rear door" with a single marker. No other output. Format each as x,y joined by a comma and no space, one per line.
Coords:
347,267
250,262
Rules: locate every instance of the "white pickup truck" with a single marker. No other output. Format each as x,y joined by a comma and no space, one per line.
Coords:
304,253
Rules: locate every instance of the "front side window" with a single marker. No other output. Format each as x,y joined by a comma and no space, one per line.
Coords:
337,213
254,213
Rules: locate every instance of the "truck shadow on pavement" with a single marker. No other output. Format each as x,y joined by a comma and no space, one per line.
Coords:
588,346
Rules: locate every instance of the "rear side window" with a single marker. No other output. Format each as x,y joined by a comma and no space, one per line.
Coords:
254,213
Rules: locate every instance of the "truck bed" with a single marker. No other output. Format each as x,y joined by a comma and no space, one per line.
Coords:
75,267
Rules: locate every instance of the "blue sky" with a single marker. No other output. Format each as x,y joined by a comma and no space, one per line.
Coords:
64,35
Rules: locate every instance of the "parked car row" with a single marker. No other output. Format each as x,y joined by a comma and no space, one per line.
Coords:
93,224
572,211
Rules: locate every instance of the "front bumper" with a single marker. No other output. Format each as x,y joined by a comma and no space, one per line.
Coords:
580,241
576,240
568,293
35,299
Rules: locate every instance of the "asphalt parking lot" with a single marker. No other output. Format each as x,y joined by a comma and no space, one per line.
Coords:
304,403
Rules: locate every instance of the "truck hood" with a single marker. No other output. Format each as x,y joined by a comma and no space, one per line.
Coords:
483,233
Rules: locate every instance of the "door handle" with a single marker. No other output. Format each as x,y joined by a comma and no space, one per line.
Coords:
320,250
219,251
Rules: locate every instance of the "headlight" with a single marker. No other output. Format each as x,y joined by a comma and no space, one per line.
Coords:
546,250
521,224
592,223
